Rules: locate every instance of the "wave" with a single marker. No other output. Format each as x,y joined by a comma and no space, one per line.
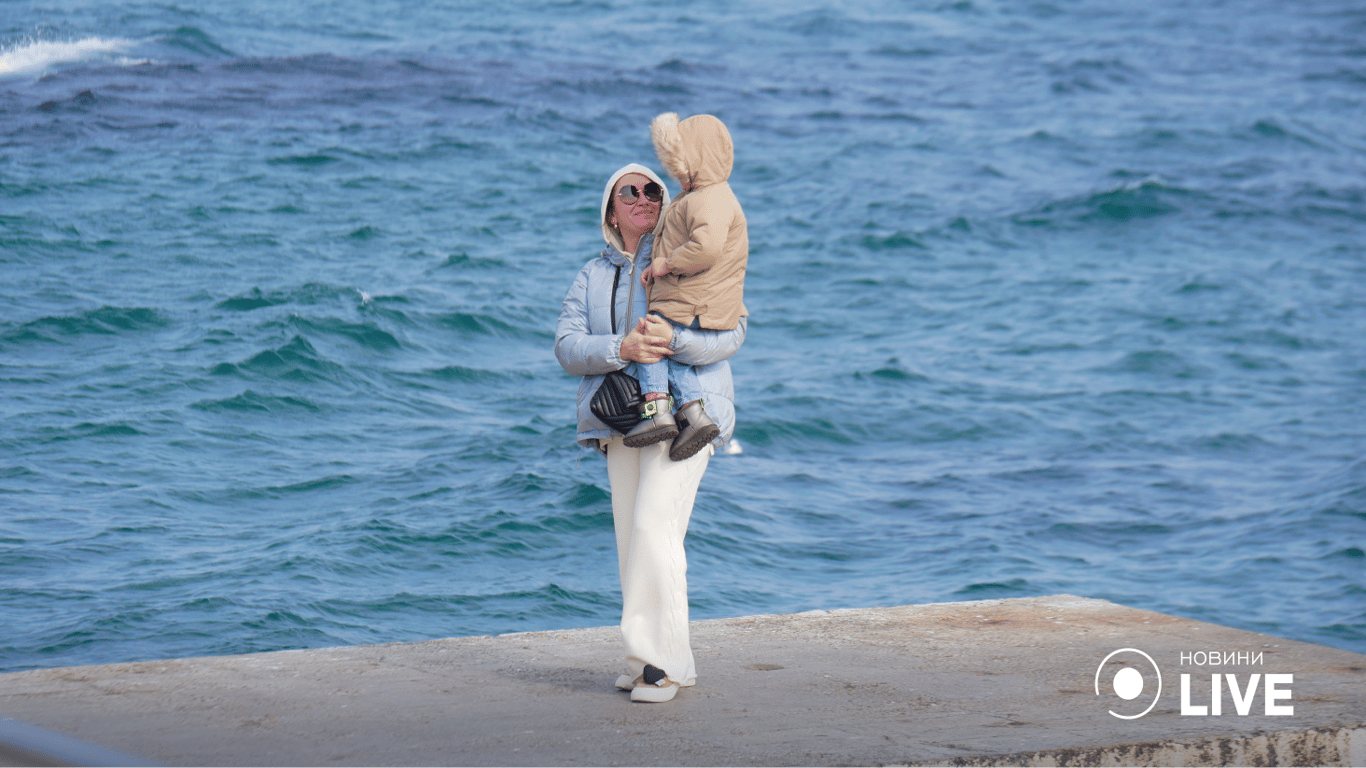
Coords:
105,321
1154,362
37,56
474,324
255,402
296,361
462,375
87,430
306,295
796,435
197,42
1129,202
992,589
365,334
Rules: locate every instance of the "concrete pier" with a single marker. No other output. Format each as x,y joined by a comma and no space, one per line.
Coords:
979,683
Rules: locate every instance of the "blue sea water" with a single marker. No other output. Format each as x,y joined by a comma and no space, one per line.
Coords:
1046,297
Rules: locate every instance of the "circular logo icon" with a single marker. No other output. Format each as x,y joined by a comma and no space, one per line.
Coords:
1123,676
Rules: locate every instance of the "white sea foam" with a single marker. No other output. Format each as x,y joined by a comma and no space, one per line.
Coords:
36,56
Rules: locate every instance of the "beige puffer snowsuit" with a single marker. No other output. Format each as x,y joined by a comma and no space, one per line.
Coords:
703,234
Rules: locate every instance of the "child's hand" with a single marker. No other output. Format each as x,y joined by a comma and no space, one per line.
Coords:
659,267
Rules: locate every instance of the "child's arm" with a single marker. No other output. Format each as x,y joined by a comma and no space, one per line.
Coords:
707,233
659,267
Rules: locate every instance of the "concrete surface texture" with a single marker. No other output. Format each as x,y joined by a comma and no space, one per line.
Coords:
978,683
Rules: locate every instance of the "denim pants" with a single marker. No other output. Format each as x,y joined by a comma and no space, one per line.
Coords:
656,377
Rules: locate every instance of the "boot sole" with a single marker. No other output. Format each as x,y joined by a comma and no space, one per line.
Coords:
695,443
650,438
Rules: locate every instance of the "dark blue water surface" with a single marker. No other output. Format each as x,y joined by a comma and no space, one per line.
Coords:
1046,297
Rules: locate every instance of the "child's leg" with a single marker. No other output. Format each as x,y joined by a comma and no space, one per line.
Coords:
686,387
656,417
700,429
684,381
653,377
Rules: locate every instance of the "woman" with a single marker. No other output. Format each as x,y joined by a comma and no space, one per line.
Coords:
652,496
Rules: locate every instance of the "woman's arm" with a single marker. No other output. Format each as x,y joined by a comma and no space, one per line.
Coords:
582,353
703,347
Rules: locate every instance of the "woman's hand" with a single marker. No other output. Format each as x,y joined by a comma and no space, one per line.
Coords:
649,341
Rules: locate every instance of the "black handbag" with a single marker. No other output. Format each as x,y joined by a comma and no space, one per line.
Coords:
617,401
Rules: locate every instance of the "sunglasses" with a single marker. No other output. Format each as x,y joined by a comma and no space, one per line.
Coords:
629,194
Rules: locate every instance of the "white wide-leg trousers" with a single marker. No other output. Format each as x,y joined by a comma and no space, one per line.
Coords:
652,499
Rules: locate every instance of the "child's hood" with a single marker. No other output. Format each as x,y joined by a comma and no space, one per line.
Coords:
698,149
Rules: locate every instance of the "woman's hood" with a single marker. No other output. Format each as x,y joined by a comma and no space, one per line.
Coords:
698,149
612,236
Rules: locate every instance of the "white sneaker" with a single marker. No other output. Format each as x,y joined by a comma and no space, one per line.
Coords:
626,682
655,694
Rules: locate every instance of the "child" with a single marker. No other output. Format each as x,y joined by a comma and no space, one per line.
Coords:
700,248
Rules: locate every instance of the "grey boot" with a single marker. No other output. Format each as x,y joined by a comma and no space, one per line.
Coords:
697,432
656,424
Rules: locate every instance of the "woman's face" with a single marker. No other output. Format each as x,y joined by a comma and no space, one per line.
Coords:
633,219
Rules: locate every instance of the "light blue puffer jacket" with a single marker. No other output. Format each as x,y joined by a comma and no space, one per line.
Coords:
587,345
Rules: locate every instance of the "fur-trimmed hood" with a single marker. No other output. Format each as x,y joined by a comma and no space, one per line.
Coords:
697,150
611,234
